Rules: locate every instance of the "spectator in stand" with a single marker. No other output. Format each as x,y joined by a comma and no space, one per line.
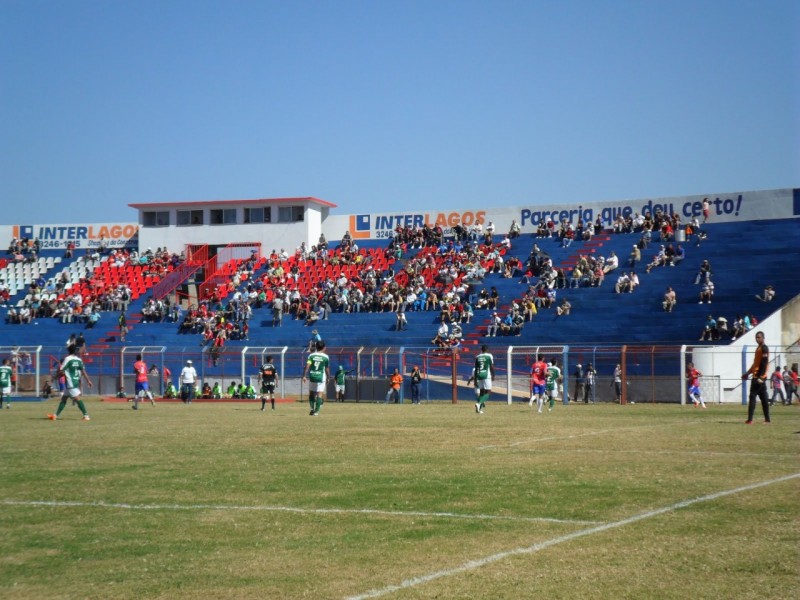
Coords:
490,228
670,300
776,379
575,278
706,209
466,312
680,255
659,260
709,332
645,240
635,256
669,255
634,281
588,231
623,284
564,308
666,231
707,291
494,325
442,336
402,321
611,263
704,272
722,327
596,276
567,236
738,327
494,298
314,341
768,295
514,230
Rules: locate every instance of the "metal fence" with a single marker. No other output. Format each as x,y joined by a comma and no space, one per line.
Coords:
652,374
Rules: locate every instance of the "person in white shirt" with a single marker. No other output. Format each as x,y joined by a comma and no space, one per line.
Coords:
623,284
476,231
612,262
188,379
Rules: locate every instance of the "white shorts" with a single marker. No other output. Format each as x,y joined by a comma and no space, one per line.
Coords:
316,387
6,391
73,392
553,393
485,384
339,388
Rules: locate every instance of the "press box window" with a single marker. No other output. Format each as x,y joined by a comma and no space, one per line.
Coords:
223,216
190,217
258,215
290,214
155,218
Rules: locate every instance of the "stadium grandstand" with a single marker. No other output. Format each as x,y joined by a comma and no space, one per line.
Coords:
224,282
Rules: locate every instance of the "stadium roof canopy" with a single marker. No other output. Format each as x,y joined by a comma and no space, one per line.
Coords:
260,201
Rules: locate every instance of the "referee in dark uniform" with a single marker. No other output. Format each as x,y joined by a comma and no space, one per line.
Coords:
269,378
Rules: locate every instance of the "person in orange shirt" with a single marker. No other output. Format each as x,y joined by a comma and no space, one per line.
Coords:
142,385
167,382
758,384
395,383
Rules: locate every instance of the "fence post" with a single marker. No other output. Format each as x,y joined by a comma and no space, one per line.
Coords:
454,370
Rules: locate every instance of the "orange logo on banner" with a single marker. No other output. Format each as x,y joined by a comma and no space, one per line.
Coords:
354,233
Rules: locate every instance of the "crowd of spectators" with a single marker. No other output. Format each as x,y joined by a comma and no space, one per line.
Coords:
83,300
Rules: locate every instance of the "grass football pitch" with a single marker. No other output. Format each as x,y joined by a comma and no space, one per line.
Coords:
398,502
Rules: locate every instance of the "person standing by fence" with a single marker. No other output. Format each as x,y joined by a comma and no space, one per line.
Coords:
580,381
777,386
758,384
416,381
188,380
395,383
588,392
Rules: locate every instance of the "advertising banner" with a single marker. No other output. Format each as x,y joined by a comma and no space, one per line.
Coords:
738,206
55,237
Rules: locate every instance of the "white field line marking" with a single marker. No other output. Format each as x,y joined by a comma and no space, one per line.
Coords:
574,436
481,562
289,509
769,455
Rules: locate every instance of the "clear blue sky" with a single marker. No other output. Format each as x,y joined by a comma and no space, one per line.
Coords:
391,106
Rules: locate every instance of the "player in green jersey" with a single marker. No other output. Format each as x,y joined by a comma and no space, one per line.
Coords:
552,381
6,374
484,373
317,372
72,369
340,379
